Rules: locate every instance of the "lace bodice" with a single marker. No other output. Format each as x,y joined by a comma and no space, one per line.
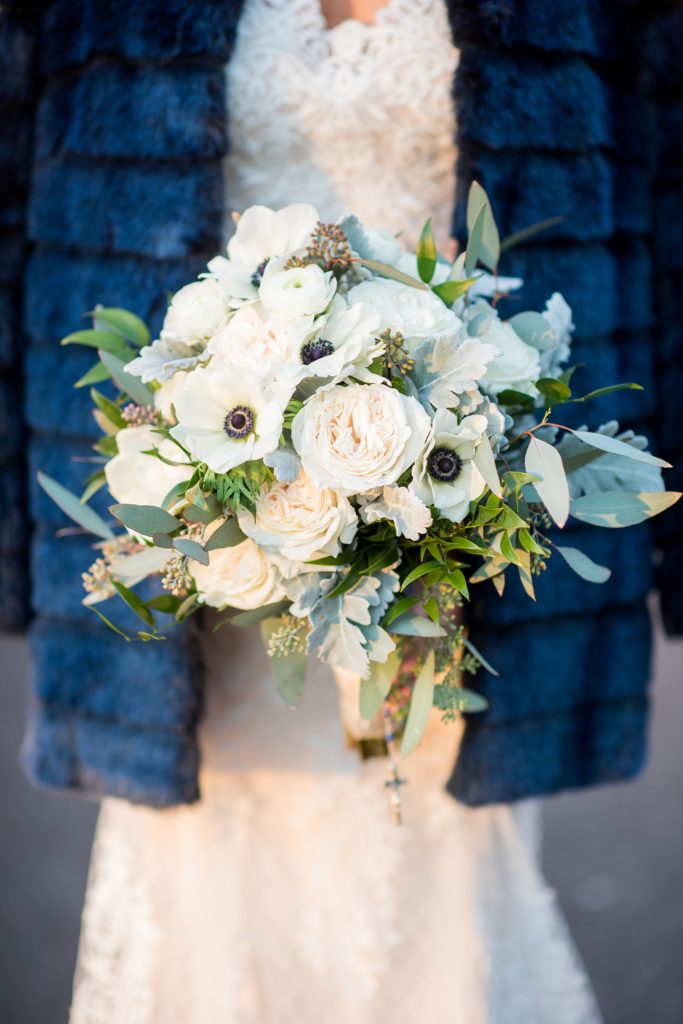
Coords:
352,118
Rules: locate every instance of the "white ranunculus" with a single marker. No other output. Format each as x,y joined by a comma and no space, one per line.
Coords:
195,314
265,343
261,234
402,507
134,478
166,395
297,522
415,312
359,437
238,577
344,344
226,417
297,291
445,474
518,364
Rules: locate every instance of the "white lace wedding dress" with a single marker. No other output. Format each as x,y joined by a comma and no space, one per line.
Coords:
287,894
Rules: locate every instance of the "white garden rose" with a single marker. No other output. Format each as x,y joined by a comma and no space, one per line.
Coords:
297,291
165,396
445,474
359,437
134,478
260,235
415,312
297,522
226,417
196,312
517,366
239,577
267,344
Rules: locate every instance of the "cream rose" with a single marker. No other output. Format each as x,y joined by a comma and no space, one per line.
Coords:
298,522
359,437
196,312
415,312
239,577
518,364
264,343
134,478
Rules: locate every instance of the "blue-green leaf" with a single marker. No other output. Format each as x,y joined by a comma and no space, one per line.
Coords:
145,519
421,704
533,329
619,508
584,566
474,242
71,505
489,249
227,535
125,323
610,444
134,602
132,386
545,462
254,615
410,624
191,549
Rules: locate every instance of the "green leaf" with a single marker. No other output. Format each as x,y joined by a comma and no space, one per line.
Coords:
426,253
227,535
431,608
71,505
254,615
132,386
165,603
509,520
375,688
517,237
450,291
134,602
289,672
410,624
511,397
457,698
554,390
145,519
584,566
108,408
421,570
421,704
92,485
95,375
608,391
480,657
533,329
400,605
611,444
108,622
191,549
188,606
616,509
125,323
474,242
456,578
529,544
162,540
489,250
105,340
386,270
544,461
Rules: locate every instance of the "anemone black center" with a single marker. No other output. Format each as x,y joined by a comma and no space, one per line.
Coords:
317,348
257,276
239,422
444,465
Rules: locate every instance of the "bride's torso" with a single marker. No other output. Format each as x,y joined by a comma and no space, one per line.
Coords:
358,118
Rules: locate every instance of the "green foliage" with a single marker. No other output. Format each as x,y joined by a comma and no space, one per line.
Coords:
145,519
488,243
74,507
426,253
420,706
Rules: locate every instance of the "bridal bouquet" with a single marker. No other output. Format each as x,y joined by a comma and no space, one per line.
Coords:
338,438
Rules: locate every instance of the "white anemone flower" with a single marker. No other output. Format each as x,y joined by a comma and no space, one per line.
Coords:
226,417
445,473
266,344
344,344
260,235
296,291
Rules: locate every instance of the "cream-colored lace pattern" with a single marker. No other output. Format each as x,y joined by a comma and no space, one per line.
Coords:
287,896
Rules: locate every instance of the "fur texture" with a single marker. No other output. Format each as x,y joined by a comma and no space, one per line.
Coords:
558,113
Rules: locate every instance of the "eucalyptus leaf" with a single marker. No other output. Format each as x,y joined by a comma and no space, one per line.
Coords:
533,329
145,519
617,509
138,565
74,509
410,624
386,270
584,566
544,461
517,237
610,444
227,535
475,241
132,386
421,704
191,549
289,672
489,250
480,657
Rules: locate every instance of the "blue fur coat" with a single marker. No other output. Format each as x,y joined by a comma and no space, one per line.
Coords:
115,126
